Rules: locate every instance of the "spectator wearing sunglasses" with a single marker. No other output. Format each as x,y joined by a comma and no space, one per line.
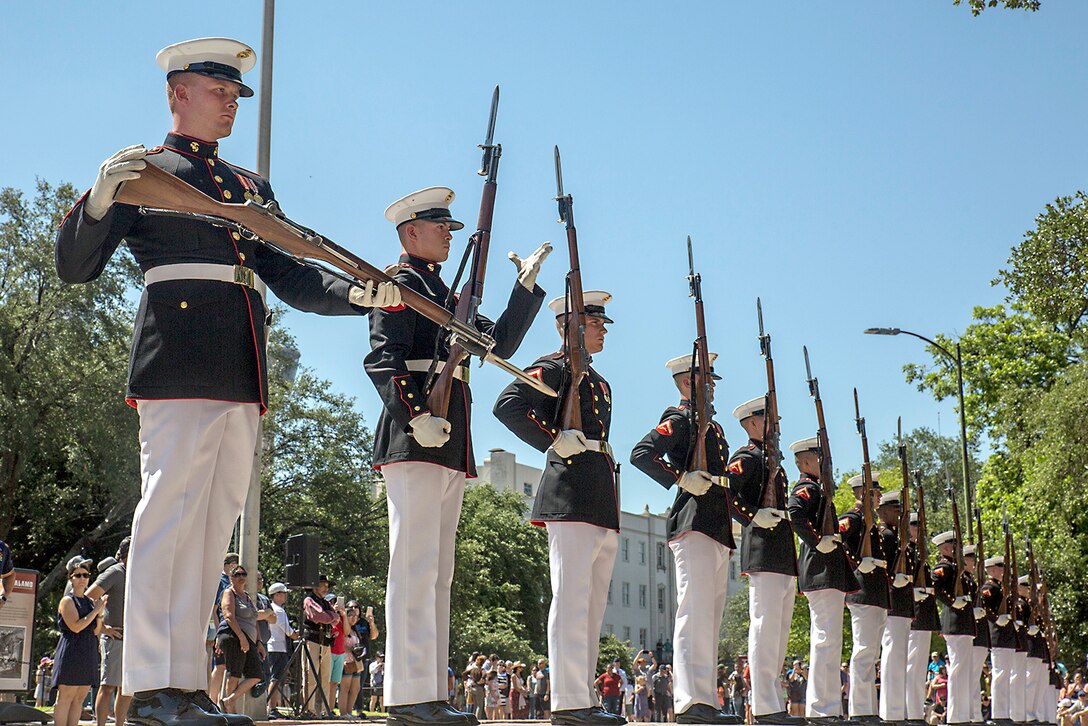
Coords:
75,667
237,639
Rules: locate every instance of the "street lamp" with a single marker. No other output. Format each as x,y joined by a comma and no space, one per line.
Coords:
958,360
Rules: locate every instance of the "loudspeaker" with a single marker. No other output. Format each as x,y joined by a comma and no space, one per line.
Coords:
301,561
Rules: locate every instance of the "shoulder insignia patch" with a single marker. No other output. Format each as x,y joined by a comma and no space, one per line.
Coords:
844,525
665,428
537,373
736,466
804,493
395,308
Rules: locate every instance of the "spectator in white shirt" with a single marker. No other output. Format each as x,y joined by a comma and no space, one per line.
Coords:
279,651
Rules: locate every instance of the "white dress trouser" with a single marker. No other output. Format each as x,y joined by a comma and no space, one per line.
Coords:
770,608
823,695
701,578
424,506
978,662
960,662
867,626
893,661
196,457
1002,661
917,673
1018,687
1034,684
582,556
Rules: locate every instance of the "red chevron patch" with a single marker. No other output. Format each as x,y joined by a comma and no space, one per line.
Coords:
665,428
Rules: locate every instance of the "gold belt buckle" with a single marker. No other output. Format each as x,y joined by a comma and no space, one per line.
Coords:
244,276
606,448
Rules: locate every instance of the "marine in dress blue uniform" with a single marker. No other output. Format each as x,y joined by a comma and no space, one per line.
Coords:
926,620
769,558
869,605
577,503
958,628
1002,640
700,537
425,458
895,639
197,374
825,577
980,646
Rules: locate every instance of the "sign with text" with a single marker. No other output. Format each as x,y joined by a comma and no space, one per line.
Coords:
17,630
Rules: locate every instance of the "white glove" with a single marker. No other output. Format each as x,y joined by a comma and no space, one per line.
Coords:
900,580
1004,620
696,482
568,443
961,602
827,544
868,564
980,613
430,431
767,518
530,266
126,164
1033,630
382,295
920,594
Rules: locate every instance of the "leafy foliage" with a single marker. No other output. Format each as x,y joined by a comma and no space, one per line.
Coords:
977,6
612,648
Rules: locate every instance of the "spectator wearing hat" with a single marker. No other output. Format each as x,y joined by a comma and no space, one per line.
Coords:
279,644
957,626
869,605
825,577
699,534
577,504
319,615
75,664
895,638
111,582
925,622
425,456
769,557
198,368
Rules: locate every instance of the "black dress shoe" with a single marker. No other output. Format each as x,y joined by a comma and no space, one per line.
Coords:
781,718
594,716
702,713
431,713
201,700
467,717
169,707
832,721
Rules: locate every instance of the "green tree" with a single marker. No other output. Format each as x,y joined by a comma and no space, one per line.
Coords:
977,6
733,639
611,649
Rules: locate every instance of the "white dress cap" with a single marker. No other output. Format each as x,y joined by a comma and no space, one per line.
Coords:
594,300
943,538
223,58
431,204
683,364
812,443
969,550
998,561
1024,581
890,498
857,480
750,408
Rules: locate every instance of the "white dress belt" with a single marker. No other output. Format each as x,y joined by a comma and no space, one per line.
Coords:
235,274
422,366
601,446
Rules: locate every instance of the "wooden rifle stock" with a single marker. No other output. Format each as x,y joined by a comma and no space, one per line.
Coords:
980,558
866,549
702,411
957,532
577,359
772,430
438,398
1033,579
1008,583
829,524
902,565
923,534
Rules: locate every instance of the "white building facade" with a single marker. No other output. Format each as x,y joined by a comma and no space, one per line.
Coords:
642,595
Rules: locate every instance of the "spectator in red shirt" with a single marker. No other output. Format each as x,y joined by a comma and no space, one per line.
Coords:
609,686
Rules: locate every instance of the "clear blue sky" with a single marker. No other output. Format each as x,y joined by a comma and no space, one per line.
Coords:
854,164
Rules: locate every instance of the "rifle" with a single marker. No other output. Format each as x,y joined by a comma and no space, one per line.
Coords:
828,518
1033,578
923,538
957,532
160,193
702,409
574,330
867,483
439,388
772,430
980,559
1008,579
901,562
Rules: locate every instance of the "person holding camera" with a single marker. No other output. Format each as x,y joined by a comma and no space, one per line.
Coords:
318,618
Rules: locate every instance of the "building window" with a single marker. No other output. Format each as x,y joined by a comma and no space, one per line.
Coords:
627,633
642,553
625,547
607,629
609,592
626,594
733,570
642,596
642,637
527,488
661,556
660,598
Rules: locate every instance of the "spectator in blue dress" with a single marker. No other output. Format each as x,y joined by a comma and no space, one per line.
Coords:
75,667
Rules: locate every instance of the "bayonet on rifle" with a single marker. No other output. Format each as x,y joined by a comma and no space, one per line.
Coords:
866,549
574,332
702,409
828,518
